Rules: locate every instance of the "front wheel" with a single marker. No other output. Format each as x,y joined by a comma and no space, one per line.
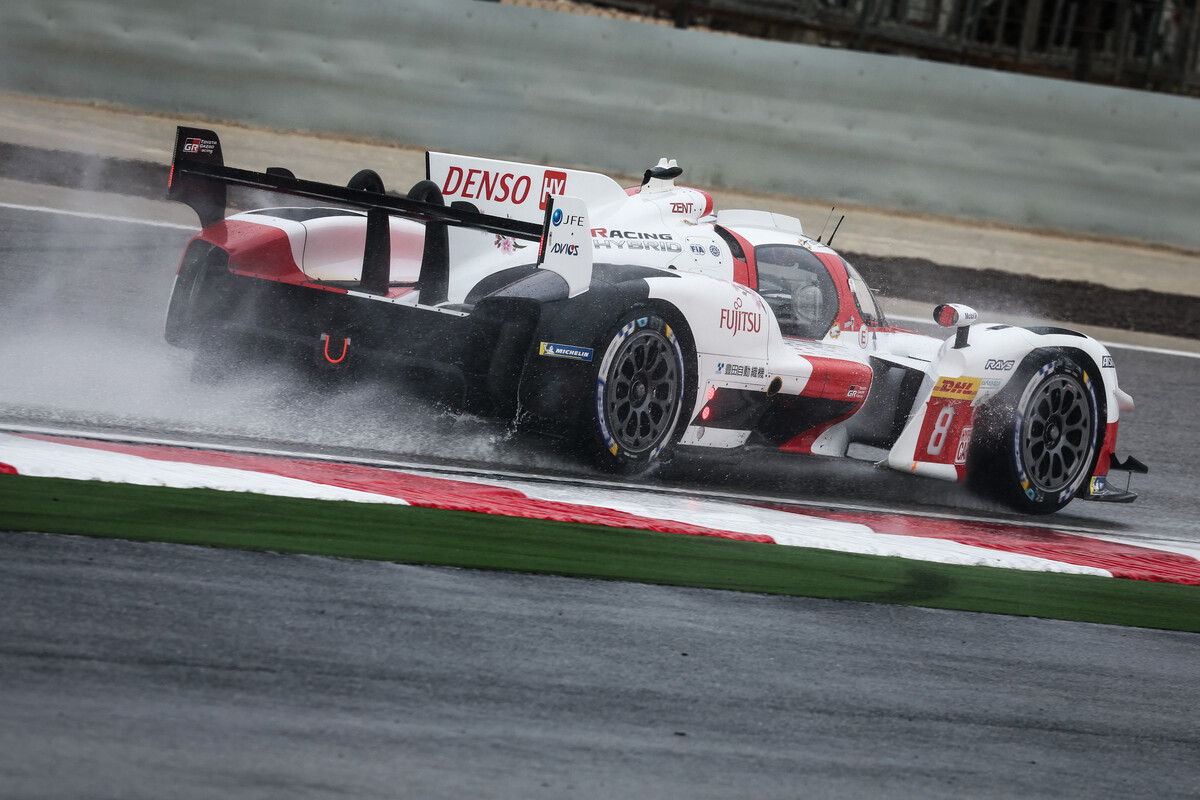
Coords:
1039,440
640,392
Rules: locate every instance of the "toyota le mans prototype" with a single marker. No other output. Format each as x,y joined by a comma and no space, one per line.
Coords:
633,322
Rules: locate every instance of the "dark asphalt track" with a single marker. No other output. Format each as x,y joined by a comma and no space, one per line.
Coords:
135,670
141,670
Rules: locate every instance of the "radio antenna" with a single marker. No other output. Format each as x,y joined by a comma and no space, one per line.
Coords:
831,210
835,230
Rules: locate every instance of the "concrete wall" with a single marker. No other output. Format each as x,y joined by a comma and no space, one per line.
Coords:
551,87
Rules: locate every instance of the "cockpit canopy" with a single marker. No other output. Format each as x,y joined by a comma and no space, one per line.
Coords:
802,293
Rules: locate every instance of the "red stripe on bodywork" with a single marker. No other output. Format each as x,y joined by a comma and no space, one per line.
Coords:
1110,447
803,443
8,469
1122,560
744,272
442,493
266,247
847,308
833,379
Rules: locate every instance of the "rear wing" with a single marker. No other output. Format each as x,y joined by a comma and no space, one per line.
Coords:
515,189
199,178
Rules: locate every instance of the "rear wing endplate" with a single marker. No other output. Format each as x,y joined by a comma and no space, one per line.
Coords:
567,243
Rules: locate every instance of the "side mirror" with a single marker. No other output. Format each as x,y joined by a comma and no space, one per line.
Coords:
950,315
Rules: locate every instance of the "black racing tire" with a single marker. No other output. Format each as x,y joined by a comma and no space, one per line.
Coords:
642,386
1038,441
182,326
188,325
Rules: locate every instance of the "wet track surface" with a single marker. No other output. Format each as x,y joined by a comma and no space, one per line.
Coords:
164,670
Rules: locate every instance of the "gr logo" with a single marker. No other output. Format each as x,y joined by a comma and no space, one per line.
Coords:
205,146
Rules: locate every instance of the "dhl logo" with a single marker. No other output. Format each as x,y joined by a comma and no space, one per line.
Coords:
957,388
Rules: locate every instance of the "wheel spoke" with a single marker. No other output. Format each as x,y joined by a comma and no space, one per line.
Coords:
643,391
1057,432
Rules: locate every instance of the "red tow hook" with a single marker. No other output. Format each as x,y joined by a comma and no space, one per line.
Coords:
325,337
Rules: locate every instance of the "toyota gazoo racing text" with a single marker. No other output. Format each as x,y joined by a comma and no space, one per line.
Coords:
633,322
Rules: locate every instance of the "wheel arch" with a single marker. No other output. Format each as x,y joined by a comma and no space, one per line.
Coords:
678,321
1086,357
988,468
182,320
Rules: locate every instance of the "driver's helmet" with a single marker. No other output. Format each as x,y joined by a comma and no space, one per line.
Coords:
806,299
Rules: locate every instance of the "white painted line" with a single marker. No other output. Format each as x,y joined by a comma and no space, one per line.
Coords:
103,217
1110,345
53,460
1143,349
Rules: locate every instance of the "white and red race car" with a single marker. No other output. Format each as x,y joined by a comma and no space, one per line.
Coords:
633,321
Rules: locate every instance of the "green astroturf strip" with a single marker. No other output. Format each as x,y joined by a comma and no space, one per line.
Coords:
463,539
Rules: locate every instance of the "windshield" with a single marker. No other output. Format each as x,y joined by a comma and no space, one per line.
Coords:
798,288
868,308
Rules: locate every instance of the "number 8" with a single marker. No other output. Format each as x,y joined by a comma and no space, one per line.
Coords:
937,439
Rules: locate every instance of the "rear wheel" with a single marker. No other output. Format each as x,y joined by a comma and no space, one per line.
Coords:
184,322
1039,440
641,383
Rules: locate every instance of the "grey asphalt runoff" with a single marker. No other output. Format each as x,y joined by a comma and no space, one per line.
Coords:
147,671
